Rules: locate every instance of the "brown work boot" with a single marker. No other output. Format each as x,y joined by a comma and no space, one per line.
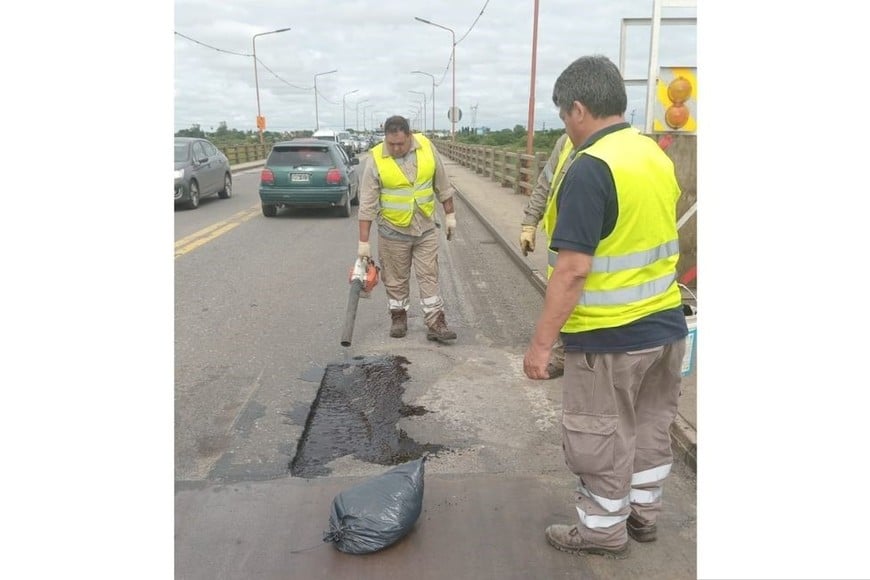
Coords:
567,539
438,330
400,323
640,532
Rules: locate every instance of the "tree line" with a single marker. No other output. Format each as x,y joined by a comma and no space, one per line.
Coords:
514,139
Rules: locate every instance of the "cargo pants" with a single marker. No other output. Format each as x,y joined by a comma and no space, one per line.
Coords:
396,256
617,409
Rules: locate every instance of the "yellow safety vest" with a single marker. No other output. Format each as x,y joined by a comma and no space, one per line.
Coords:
556,181
398,196
634,268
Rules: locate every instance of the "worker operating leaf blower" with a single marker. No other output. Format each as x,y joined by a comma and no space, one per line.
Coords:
363,278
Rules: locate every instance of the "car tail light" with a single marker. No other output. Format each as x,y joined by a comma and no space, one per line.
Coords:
333,176
267,177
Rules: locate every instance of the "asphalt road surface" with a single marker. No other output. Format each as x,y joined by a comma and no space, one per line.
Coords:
260,307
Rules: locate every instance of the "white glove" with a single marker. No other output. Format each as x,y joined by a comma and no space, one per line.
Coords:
364,250
450,222
527,239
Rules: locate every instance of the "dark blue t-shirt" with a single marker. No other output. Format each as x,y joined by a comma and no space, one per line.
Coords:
587,212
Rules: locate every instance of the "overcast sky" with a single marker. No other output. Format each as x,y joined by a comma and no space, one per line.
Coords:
375,45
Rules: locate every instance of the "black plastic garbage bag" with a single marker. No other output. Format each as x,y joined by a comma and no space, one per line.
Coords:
376,513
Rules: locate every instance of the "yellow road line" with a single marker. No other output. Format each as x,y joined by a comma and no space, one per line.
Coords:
209,233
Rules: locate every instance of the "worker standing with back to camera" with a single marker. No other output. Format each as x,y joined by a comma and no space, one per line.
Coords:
613,294
548,179
399,188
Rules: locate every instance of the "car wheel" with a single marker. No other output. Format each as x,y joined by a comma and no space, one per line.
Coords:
344,210
227,191
355,200
193,201
270,210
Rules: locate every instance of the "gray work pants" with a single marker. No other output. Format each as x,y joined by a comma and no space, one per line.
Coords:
396,258
617,409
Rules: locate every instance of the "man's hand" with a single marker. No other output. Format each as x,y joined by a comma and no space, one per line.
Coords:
450,222
527,239
364,250
535,362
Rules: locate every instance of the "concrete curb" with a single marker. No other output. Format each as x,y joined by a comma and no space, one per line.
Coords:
683,436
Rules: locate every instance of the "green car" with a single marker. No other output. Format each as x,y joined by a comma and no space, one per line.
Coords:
309,173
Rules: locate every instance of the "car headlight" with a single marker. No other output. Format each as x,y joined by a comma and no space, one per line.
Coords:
179,173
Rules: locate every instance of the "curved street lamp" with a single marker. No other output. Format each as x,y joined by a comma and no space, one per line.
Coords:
316,112
344,109
452,58
261,123
419,72
424,107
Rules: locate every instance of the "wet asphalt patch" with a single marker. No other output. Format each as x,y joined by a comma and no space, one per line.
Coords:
355,413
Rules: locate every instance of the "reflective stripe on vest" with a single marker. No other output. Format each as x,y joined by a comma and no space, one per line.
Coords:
399,197
633,271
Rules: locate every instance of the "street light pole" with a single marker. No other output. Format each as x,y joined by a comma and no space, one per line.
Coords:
424,107
357,112
344,109
530,126
414,114
453,59
261,123
316,112
433,93
364,116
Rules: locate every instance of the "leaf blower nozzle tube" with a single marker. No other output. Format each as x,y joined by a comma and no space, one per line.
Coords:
363,278
350,317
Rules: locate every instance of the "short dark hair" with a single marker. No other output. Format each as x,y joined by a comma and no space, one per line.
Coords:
594,81
397,123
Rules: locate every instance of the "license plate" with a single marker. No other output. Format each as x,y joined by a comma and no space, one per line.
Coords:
299,177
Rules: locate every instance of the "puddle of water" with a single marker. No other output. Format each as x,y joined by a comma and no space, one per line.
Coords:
355,413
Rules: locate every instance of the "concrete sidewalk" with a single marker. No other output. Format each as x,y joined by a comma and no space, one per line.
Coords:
501,210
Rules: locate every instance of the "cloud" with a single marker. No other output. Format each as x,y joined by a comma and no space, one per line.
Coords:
374,48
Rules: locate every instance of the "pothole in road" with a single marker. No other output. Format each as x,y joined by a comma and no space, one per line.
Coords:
355,413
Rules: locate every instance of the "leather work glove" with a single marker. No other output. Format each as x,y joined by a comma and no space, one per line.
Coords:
527,239
364,250
450,222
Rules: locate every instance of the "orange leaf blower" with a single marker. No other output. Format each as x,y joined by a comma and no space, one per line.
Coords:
364,277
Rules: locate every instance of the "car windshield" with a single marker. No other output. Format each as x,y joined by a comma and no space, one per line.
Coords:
182,151
299,156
